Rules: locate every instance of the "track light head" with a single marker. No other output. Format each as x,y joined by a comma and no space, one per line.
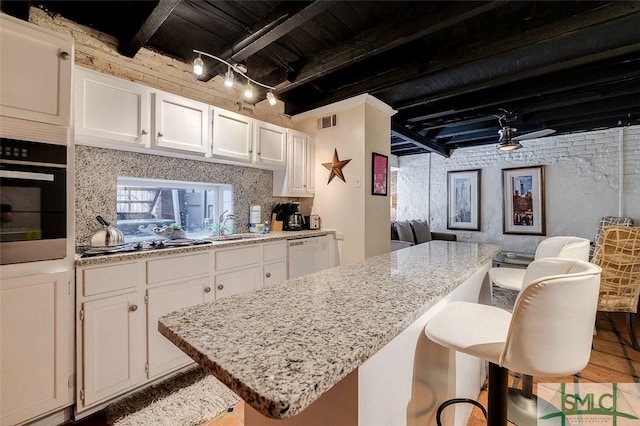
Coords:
271,98
198,66
248,90
228,78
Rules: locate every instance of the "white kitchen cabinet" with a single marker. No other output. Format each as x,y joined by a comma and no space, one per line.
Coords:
162,355
183,281
34,346
297,179
270,144
274,258
180,123
111,109
232,136
113,357
35,72
238,282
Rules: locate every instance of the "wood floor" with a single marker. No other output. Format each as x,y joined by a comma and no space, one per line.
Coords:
613,360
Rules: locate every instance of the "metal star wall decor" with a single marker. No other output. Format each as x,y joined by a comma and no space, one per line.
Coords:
336,167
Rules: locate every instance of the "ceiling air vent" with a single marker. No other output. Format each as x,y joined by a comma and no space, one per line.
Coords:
328,121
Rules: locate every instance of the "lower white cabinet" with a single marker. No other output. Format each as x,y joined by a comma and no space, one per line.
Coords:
112,354
241,281
274,257
163,356
34,346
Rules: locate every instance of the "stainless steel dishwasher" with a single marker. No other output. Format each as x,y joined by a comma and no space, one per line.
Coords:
309,255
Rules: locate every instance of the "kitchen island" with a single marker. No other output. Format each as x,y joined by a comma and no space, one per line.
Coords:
345,345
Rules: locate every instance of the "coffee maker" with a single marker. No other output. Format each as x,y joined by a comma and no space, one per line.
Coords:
292,218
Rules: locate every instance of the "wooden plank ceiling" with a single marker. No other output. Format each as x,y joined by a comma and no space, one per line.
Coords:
451,69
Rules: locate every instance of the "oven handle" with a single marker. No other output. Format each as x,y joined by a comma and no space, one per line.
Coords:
12,174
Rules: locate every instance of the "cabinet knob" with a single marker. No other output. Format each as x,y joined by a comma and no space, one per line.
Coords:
268,274
133,308
65,55
220,286
143,132
207,289
160,134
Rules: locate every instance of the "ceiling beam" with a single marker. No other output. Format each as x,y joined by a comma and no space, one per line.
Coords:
605,33
401,28
401,132
148,28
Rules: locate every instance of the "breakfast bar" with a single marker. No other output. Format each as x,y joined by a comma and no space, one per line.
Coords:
344,345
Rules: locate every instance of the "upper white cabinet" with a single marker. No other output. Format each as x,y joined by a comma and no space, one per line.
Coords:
112,109
270,144
35,72
34,346
232,136
180,123
298,179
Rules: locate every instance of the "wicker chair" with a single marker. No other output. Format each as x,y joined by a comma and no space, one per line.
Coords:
619,258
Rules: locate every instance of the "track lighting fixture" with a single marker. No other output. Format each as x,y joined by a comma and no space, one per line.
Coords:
198,66
229,76
271,98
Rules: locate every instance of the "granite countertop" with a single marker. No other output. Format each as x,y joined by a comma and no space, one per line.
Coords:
259,239
280,347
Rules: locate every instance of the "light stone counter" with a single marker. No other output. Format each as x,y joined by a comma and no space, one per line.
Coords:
259,239
281,347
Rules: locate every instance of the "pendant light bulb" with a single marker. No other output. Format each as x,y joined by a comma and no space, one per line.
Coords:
228,78
248,90
198,66
271,98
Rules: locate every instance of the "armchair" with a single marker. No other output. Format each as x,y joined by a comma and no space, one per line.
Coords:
619,257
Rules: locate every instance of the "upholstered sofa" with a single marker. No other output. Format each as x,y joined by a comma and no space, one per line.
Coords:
410,232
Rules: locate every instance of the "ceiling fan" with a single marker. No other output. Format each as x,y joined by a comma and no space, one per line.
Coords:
508,140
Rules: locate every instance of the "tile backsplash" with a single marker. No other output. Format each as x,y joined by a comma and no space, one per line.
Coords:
97,169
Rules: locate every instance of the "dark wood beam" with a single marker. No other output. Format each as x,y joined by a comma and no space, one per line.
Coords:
159,14
401,28
401,132
16,8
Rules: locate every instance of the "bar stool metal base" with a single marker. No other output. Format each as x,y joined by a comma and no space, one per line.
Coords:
521,410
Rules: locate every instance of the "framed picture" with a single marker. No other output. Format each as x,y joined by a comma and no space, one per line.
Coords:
523,201
463,200
379,177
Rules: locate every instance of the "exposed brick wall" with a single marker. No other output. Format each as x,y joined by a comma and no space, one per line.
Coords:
583,174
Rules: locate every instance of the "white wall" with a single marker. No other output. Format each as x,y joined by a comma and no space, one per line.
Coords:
587,175
364,126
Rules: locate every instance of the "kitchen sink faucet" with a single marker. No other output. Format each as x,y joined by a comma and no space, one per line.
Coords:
222,220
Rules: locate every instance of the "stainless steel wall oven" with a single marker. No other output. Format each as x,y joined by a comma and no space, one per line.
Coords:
33,201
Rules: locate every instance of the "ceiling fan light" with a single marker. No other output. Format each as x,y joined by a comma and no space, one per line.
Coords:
248,90
271,98
509,145
228,78
198,66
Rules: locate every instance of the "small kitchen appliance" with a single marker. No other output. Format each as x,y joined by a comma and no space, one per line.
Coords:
293,219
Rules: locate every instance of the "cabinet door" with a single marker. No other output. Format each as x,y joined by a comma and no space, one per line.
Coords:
238,282
275,273
111,109
35,74
34,345
162,355
311,165
112,346
271,144
297,166
232,135
181,123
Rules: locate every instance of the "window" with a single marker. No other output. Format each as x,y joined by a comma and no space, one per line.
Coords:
146,204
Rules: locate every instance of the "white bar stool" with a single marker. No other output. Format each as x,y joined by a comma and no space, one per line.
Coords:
548,334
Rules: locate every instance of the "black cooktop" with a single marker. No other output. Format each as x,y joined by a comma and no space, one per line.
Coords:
140,246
